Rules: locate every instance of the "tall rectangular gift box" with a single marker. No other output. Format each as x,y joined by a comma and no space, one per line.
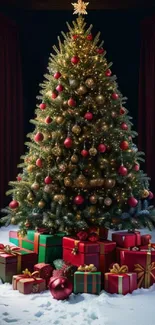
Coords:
79,253
127,239
48,247
87,282
107,255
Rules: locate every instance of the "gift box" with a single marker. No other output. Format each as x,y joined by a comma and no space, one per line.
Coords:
87,282
79,253
25,274
44,271
141,262
127,239
30,285
48,247
13,262
107,255
145,239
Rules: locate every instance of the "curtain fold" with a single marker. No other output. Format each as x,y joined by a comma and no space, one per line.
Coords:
11,105
146,115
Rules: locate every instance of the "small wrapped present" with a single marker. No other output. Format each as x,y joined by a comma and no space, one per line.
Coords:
145,239
107,255
44,271
141,262
13,260
119,280
31,285
127,239
48,247
25,275
79,253
87,280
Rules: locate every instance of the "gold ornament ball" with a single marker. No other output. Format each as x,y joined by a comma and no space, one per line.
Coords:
92,151
74,159
30,168
109,183
81,90
100,99
81,181
76,129
104,127
30,197
74,83
92,209
90,83
93,199
57,151
65,104
67,182
48,188
107,201
145,194
35,186
59,119
13,220
41,204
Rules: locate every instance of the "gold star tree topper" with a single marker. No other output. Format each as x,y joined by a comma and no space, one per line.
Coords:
80,7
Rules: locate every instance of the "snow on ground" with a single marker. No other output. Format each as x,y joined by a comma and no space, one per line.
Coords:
81,309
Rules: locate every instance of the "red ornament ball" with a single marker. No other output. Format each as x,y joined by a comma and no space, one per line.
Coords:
14,204
108,73
124,126
75,59
82,235
54,95
18,178
48,120
89,37
57,75
71,102
75,37
42,106
78,200
122,111
38,137
48,180
68,142
136,167
100,50
88,116
59,88
115,96
101,147
60,287
124,145
84,153
39,163
151,195
93,237
132,202
122,170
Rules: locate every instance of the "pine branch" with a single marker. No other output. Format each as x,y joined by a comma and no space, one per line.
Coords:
96,39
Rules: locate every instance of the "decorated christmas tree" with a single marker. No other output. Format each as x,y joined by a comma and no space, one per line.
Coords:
82,167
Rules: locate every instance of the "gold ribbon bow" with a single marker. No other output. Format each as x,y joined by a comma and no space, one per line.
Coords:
117,269
87,268
8,249
144,274
28,274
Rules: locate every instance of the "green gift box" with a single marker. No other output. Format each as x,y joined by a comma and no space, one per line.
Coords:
87,282
48,247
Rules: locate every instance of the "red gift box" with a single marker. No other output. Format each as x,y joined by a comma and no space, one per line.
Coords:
79,253
107,255
141,262
145,239
127,239
44,270
30,285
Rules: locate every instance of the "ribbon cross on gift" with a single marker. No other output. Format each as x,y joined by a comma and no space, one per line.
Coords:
144,275
117,269
8,249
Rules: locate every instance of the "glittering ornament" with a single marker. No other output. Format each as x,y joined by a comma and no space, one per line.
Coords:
100,99
60,88
68,182
81,181
68,142
75,37
76,129
122,170
13,221
38,137
48,180
109,183
41,204
98,182
84,153
54,95
136,167
124,145
82,90
48,188
108,73
42,106
113,114
57,75
75,59
48,120
145,194
90,83
114,96
59,119
39,163
88,116
89,37
71,102
92,209
101,148
74,159
13,204
30,196
19,178
62,167
124,126
132,202
35,186
93,152
151,195
74,83
93,199
78,200
107,201
122,111
57,151
100,50
30,168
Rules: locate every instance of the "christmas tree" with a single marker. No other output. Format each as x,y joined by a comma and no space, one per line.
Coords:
82,168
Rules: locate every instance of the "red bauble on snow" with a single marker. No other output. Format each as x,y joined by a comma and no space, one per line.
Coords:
38,137
42,106
88,116
100,50
75,59
57,75
78,200
108,73
48,180
122,170
114,96
54,95
132,202
84,153
59,88
122,111
60,287
39,163
124,126
124,145
18,178
101,147
71,102
136,167
151,195
89,37
68,142
48,120
14,204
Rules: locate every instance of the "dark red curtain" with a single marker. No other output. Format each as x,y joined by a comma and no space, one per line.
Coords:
146,118
11,105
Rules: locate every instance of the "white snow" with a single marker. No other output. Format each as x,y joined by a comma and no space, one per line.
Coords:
82,309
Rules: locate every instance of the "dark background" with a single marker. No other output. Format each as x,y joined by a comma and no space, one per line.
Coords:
38,31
